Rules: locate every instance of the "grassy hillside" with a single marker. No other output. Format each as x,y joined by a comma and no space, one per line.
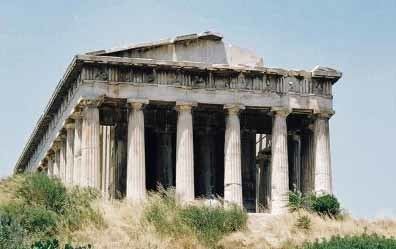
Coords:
35,208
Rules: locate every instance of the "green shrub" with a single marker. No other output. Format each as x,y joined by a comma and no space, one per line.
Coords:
40,190
207,224
296,201
354,242
12,233
38,219
323,204
210,224
43,208
326,205
54,244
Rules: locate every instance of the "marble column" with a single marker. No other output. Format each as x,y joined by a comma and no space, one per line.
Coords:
279,163
232,157
295,181
69,153
323,177
62,159
185,191
206,170
50,162
307,162
77,175
164,160
90,145
136,165
56,148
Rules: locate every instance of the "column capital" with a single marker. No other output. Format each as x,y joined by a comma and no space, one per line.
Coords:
281,111
56,145
324,114
137,104
89,102
77,114
70,125
185,106
234,109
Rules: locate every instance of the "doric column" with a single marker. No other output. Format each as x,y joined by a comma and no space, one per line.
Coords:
136,166
62,158
56,163
50,162
323,177
90,145
69,153
295,182
206,170
165,159
307,162
232,157
77,174
184,154
279,163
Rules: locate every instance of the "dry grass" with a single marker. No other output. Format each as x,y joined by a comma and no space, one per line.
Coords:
8,187
267,231
125,229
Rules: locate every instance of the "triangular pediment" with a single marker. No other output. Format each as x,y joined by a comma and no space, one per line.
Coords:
207,47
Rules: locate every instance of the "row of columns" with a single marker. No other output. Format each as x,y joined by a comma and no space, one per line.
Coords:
76,157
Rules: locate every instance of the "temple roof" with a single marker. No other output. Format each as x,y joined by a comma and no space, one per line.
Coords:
207,47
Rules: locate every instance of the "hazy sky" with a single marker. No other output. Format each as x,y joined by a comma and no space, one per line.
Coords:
39,38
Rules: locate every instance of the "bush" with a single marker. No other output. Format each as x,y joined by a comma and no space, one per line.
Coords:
207,224
12,233
210,224
43,208
54,244
40,190
323,205
326,205
38,219
354,242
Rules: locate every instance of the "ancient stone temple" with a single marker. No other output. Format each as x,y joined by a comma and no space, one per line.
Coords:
192,112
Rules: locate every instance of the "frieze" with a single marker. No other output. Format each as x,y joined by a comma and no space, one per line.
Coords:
209,79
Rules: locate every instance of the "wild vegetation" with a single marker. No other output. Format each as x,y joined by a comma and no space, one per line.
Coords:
207,224
41,213
38,208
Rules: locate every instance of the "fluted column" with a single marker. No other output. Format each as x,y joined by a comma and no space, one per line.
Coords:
307,162
56,149
232,157
279,163
77,175
184,154
90,145
206,170
296,167
62,159
50,162
136,165
323,176
69,153
165,160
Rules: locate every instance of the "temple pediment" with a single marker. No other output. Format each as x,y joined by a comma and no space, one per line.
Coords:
207,47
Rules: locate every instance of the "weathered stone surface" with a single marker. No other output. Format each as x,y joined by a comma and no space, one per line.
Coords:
232,157
136,168
323,177
185,154
280,167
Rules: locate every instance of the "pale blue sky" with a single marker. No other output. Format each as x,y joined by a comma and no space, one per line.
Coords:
39,38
